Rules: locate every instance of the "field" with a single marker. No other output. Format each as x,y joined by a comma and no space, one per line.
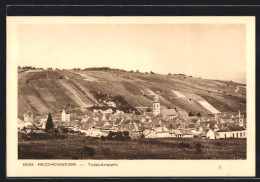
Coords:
75,146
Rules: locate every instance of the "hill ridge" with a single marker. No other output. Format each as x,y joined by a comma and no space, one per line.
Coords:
44,91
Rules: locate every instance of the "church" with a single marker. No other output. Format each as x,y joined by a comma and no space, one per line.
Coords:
65,115
156,107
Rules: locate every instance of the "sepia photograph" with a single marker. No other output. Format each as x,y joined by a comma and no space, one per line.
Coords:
131,89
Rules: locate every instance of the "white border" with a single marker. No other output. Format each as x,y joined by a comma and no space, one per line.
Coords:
129,168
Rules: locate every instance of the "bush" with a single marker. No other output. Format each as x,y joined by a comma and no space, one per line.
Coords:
184,145
65,130
125,133
218,144
50,131
88,150
42,136
118,136
149,109
198,114
32,154
191,114
198,147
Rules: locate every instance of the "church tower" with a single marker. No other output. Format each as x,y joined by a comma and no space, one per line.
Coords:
240,120
156,106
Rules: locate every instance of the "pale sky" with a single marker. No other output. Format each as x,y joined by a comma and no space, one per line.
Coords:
216,51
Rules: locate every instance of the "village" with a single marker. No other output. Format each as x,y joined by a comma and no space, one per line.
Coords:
158,123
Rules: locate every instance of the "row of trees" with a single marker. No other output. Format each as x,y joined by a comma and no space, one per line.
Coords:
96,69
29,67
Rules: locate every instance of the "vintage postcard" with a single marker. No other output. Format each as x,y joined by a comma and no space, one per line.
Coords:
130,96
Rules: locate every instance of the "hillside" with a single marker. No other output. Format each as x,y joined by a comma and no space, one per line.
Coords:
43,91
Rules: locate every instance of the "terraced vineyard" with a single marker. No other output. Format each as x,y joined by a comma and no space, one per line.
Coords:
43,91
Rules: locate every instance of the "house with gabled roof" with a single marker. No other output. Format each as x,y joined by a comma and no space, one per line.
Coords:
191,127
149,133
29,128
127,127
22,124
162,132
232,131
187,133
169,113
208,133
107,127
176,133
96,133
181,126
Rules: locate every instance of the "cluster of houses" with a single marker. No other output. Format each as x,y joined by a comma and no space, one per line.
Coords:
160,123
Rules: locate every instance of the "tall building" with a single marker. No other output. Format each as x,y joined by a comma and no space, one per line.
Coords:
240,119
156,106
65,115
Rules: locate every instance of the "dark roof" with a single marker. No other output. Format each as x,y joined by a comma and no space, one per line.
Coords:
175,131
66,111
168,112
233,127
117,121
161,130
181,126
149,113
30,127
187,132
127,127
106,127
100,123
205,130
172,126
190,126
224,129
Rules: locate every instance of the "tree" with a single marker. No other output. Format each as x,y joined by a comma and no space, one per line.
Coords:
198,148
49,123
148,110
199,115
